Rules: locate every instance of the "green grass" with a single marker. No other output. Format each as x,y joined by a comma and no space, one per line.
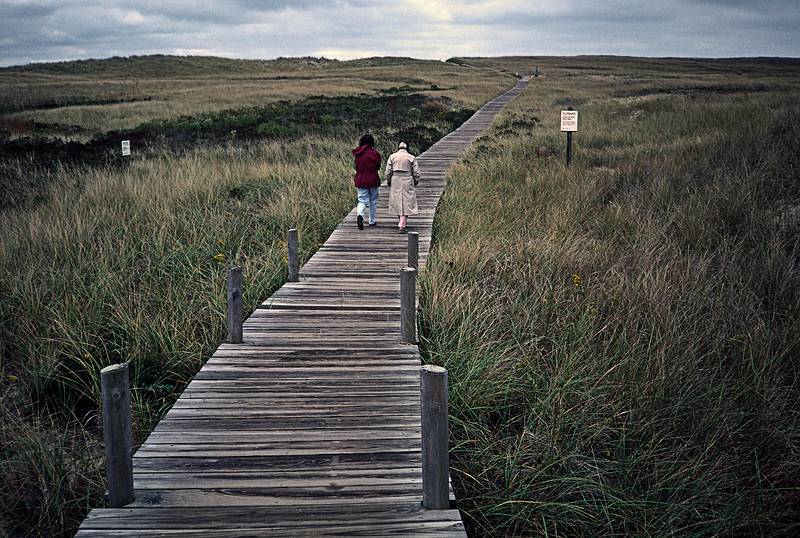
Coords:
622,335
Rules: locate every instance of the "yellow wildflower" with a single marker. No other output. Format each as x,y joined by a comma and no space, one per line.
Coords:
576,280
12,378
219,257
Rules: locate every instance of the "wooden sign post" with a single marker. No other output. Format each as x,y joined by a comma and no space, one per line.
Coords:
569,125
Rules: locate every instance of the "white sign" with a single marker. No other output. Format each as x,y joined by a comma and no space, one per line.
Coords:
126,148
569,120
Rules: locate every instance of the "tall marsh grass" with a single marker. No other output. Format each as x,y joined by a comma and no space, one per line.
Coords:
130,266
622,335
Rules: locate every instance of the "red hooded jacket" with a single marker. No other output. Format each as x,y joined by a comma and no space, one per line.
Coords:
368,163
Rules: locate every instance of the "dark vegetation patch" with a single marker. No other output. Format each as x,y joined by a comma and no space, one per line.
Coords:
27,164
315,115
569,101
700,89
407,88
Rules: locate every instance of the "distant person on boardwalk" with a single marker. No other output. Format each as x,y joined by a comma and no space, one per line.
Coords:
367,180
402,176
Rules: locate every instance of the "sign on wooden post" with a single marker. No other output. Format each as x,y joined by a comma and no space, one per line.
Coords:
126,148
569,124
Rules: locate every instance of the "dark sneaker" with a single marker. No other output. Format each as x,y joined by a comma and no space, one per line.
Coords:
373,223
402,230
360,221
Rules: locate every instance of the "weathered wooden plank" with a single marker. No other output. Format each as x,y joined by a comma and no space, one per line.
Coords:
319,462
213,436
274,497
315,519
283,422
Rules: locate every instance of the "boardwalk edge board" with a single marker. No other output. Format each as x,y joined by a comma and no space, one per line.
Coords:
310,426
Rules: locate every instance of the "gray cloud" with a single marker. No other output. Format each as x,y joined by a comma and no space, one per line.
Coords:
70,29
17,11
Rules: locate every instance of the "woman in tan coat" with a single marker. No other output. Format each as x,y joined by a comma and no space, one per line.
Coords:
402,176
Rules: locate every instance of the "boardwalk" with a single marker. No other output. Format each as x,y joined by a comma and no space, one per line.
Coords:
312,425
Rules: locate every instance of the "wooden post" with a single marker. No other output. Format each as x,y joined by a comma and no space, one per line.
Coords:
435,458
408,304
569,144
235,305
294,256
413,250
116,397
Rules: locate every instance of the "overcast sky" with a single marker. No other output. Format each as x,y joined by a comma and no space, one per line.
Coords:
33,31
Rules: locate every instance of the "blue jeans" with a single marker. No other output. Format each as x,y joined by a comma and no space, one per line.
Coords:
368,197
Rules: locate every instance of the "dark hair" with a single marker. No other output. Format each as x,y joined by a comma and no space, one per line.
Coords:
367,140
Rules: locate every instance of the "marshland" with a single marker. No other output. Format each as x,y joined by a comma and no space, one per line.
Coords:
621,334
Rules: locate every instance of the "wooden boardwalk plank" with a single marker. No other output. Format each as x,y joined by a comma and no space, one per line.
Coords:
311,426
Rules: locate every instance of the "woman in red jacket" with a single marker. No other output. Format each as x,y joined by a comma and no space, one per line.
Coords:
367,180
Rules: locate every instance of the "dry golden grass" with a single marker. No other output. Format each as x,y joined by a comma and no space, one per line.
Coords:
622,335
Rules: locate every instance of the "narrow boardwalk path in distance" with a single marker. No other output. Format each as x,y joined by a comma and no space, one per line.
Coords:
312,425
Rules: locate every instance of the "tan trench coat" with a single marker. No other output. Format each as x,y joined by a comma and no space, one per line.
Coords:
402,170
